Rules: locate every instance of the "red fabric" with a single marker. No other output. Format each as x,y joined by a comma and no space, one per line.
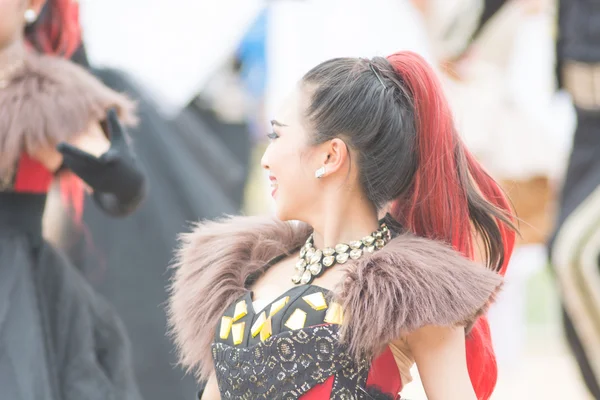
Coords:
383,373
321,391
32,176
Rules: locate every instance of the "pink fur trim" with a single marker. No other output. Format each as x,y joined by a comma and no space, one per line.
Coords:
412,282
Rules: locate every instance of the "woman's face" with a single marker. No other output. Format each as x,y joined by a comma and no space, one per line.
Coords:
292,162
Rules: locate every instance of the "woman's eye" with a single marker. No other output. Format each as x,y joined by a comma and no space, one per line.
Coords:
272,136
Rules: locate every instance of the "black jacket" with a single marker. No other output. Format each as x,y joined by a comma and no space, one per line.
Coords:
579,31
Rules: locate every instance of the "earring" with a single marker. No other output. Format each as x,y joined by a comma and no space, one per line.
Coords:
30,16
320,172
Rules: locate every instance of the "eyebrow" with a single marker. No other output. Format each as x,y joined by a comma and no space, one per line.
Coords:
277,123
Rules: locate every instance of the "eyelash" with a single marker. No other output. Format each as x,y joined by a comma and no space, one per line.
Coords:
272,135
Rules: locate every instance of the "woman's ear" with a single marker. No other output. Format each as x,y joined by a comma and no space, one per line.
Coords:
336,155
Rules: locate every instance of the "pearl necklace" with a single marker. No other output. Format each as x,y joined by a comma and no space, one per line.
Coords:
314,262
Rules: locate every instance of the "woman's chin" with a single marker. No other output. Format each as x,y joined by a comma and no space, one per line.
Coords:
282,212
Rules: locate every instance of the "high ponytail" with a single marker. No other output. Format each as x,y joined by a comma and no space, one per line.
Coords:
452,199
394,118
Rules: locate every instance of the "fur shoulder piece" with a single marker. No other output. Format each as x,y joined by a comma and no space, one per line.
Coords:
50,100
410,283
211,268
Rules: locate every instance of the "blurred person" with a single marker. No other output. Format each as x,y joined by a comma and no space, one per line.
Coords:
575,246
343,304
224,106
475,44
496,65
58,339
124,259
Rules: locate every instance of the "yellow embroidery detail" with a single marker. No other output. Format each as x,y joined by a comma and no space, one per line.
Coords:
241,310
335,314
316,301
266,330
258,324
296,320
278,305
226,323
237,331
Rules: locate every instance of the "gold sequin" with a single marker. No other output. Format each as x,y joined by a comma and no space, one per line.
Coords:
316,257
266,330
355,254
342,248
313,261
241,310
315,269
300,265
296,320
341,258
278,305
328,261
237,331
226,323
306,277
303,251
328,251
335,314
316,301
356,244
296,278
277,375
258,324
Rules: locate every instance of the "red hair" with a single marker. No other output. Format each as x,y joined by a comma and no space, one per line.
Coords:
438,205
58,32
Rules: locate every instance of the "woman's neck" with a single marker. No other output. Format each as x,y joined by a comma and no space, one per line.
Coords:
343,223
12,58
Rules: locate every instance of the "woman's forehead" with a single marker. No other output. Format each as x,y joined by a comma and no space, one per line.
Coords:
292,109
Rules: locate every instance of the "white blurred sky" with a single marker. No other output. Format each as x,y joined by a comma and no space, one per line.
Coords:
170,46
173,46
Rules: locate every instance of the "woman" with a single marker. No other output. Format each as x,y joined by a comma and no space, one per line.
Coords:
342,305
58,339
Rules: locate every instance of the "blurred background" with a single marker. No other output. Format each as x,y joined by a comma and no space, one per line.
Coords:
208,77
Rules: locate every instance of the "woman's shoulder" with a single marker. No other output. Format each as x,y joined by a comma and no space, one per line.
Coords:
411,283
231,242
212,264
50,100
